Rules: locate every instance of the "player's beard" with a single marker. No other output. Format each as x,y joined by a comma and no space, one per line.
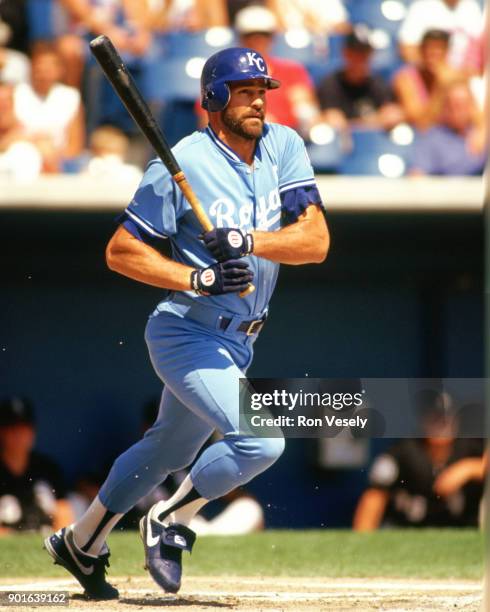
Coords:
240,127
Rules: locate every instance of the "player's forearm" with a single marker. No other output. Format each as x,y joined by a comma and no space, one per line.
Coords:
140,262
164,273
302,242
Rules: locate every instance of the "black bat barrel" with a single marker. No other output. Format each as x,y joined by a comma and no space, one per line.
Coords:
121,80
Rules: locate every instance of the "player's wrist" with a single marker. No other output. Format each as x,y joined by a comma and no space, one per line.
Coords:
248,244
194,282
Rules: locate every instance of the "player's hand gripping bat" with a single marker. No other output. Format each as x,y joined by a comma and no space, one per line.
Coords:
122,82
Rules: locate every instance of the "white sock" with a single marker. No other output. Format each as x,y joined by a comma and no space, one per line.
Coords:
183,514
92,529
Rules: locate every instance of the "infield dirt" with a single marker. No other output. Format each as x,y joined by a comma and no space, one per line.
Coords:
254,593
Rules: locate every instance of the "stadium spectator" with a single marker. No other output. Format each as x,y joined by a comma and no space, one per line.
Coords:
455,147
316,17
353,96
19,159
31,488
478,54
107,160
50,113
454,477
14,66
126,22
295,103
233,7
10,129
14,25
420,87
463,19
188,14
431,481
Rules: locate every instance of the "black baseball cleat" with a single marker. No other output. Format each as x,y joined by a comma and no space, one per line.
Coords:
87,569
163,551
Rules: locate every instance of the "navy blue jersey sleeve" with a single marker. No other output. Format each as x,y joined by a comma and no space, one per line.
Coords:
156,207
297,185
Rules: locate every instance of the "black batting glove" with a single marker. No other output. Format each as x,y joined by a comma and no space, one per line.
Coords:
232,276
228,243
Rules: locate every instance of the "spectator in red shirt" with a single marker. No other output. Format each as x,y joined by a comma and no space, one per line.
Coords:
295,103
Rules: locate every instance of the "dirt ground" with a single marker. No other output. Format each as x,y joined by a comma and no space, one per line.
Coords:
298,594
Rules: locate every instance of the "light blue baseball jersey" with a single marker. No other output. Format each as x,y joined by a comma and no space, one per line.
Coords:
272,193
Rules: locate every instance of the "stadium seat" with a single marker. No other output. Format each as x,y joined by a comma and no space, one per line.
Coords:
377,153
385,60
385,15
300,46
185,45
174,79
40,19
327,156
177,119
332,62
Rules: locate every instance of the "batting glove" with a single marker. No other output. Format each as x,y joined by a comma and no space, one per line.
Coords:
232,276
228,243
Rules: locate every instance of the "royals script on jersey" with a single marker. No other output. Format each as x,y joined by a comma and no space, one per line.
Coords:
233,195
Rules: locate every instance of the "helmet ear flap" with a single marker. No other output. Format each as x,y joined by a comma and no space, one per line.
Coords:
216,98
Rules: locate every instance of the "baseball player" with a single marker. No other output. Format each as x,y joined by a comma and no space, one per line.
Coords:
258,188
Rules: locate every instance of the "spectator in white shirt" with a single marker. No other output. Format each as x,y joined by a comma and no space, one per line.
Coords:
19,159
463,19
51,113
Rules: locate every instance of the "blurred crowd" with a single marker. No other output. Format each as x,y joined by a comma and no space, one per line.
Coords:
34,496
434,480
401,81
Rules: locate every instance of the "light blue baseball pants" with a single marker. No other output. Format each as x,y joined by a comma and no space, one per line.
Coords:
200,366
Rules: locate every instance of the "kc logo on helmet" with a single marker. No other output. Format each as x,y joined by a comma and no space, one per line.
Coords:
258,61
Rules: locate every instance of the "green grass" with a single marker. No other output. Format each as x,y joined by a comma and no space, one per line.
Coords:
397,553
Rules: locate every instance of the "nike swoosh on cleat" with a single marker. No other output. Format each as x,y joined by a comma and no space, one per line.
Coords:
151,540
180,540
70,544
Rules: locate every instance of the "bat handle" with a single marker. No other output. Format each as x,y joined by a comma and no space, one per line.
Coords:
250,289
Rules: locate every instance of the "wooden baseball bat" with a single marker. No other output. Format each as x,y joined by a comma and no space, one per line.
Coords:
121,80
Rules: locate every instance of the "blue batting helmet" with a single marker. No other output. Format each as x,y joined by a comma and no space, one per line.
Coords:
226,66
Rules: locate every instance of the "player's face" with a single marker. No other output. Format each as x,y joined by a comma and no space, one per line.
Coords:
245,113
